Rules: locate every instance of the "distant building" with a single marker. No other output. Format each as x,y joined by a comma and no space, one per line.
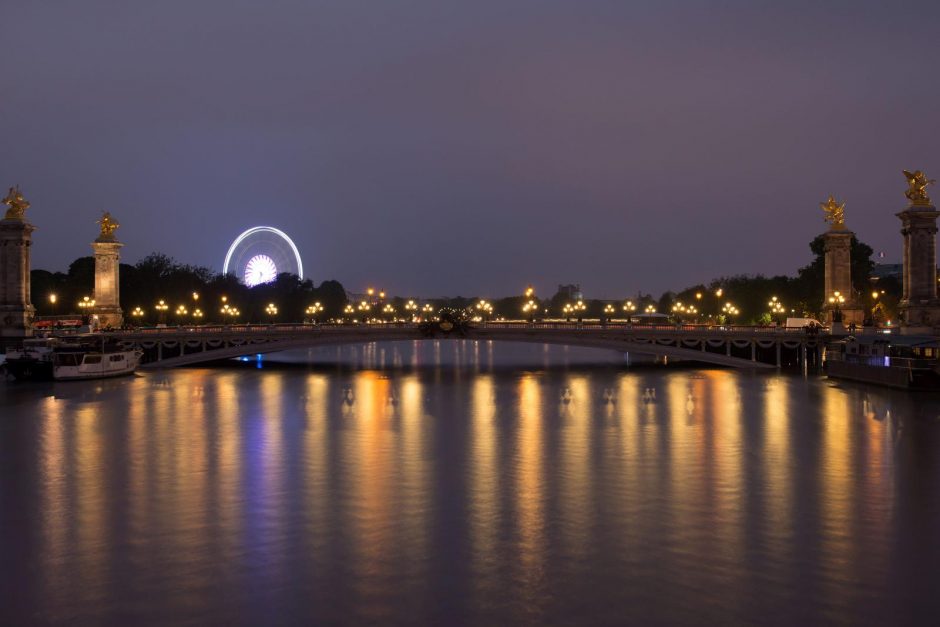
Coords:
887,271
571,292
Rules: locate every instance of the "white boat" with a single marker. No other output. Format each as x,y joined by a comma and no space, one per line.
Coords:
72,365
32,360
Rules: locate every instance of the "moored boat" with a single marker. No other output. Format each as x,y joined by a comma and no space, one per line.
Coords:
908,362
71,358
73,364
33,360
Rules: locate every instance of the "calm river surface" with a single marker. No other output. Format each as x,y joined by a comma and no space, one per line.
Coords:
463,483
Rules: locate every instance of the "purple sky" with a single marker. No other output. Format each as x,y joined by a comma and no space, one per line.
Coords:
434,147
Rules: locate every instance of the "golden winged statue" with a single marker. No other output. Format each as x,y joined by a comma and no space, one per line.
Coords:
108,226
917,183
835,213
17,205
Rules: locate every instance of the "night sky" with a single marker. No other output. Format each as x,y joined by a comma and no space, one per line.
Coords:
441,148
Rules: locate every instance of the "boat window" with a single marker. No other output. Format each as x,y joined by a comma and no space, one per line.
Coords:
92,359
117,357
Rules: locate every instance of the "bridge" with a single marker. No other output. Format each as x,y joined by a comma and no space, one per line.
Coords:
728,346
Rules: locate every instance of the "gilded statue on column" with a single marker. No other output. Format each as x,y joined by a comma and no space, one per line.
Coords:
835,213
917,183
16,204
108,226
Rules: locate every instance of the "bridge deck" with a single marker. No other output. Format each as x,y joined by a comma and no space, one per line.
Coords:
733,346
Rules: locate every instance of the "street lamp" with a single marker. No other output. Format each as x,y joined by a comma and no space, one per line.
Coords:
52,301
730,310
566,310
180,312
365,307
271,310
485,308
608,312
389,312
348,312
161,307
530,308
314,311
86,304
138,313
776,307
197,314
580,307
836,301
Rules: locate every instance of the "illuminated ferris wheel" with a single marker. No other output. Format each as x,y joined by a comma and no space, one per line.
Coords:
261,253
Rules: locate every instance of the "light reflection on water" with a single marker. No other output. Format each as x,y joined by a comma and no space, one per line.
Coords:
467,494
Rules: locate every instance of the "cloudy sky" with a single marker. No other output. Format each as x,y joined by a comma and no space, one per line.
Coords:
435,147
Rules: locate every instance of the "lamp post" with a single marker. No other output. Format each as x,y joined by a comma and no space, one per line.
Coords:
776,309
197,315
271,310
836,301
529,310
580,307
730,310
608,313
388,313
629,308
161,308
313,312
411,307
181,313
138,314
348,313
567,310
53,299
485,309
86,304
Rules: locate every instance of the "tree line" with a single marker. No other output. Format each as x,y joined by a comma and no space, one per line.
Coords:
185,287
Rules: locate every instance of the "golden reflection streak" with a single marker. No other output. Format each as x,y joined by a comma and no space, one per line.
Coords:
836,485
191,490
54,463
229,464
775,459
483,483
725,466
575,444
682,444
530,485
90,504
367,444
317,459
138,455
414,483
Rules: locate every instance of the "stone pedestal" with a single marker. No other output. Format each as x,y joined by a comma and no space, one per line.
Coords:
920,307
107,283
16,310
838,247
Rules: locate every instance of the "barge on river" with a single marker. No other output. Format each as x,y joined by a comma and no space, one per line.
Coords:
89,356
905,361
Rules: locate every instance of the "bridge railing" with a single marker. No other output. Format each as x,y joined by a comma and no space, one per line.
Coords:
502,324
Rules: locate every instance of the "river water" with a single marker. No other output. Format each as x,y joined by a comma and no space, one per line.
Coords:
455,483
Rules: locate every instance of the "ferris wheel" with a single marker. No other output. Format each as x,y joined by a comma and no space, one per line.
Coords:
259,254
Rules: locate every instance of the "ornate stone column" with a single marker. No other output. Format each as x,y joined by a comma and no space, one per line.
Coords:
838,294
16,310
107,274
920,307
